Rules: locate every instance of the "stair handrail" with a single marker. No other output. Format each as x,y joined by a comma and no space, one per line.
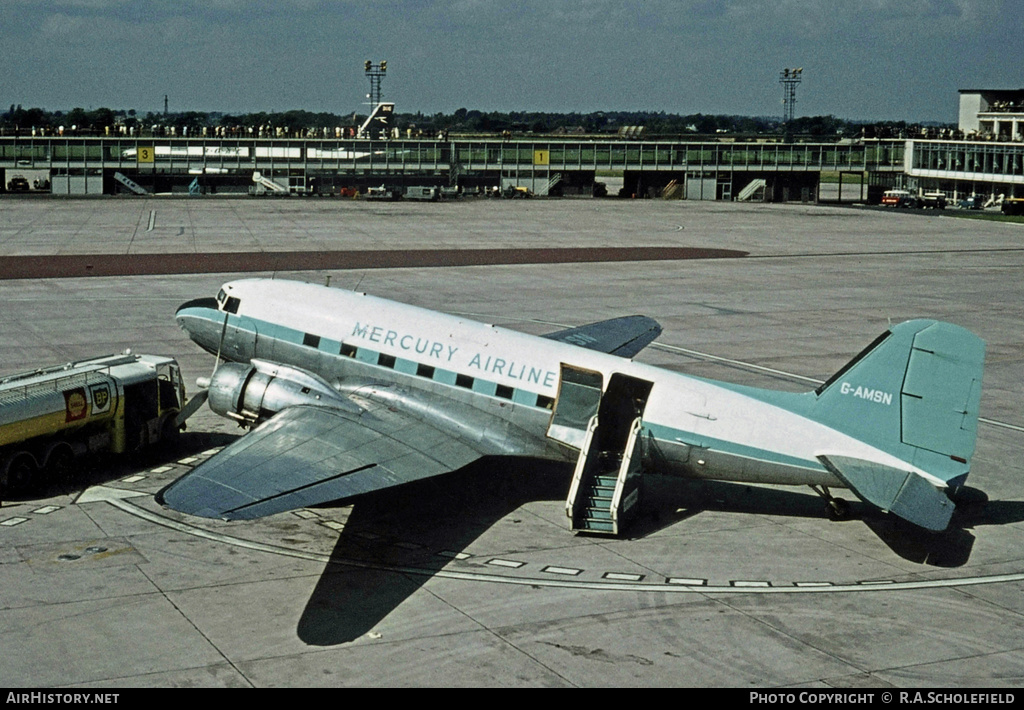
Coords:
632,446
577,476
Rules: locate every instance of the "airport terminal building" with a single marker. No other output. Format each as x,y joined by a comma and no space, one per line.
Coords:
986,158
988,161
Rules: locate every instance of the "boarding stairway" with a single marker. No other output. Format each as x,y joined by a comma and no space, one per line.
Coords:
673,191
605,489
130,184
748,192
268,184
552,182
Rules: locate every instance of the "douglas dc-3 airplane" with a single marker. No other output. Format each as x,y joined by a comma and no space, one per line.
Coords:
346,393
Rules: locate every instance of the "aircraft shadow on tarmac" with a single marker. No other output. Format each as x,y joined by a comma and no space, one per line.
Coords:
409,526
392,539
450,512
950,548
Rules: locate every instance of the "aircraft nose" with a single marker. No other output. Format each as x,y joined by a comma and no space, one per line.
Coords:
196,308
199,318
207,303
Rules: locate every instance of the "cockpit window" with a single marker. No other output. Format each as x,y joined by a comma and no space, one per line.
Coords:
227,303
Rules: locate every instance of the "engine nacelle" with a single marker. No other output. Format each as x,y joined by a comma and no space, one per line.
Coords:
252,393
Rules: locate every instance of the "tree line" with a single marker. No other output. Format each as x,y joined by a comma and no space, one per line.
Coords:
469,121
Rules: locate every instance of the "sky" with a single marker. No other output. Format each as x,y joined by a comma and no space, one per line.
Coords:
861,59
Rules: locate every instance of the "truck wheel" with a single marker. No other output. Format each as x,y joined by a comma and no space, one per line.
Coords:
60,464
20,472
170,434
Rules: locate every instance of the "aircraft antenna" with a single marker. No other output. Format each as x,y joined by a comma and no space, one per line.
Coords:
220,345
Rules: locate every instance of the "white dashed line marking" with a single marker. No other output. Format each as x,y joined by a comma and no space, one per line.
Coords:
567,571
506,563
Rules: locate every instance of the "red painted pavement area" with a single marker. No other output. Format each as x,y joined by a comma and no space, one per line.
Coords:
75,265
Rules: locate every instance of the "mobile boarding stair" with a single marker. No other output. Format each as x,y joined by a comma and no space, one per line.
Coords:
264,185
605,492
754,190
130,184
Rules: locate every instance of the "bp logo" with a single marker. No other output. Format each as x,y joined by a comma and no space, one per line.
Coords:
100,398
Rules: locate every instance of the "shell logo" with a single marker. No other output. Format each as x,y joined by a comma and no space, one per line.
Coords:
75,405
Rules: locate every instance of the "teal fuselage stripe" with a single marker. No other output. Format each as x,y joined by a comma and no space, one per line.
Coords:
671,435
267,330
662,433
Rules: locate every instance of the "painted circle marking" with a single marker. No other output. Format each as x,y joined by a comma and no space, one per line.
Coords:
564,577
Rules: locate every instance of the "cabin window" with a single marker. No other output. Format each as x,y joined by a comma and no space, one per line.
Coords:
425,371
464,381
386,360
545,402
312,341
347,350
504,391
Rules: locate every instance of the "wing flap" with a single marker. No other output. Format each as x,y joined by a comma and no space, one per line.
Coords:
310,455
625,336
902,493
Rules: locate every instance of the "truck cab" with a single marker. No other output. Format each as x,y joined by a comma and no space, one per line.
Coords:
152,399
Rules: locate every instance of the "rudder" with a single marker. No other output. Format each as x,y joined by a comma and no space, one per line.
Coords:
941,393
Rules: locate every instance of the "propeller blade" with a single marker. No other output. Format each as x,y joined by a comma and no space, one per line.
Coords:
191,406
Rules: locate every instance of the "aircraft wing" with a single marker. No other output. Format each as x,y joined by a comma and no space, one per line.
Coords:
902,493
306,455
625,336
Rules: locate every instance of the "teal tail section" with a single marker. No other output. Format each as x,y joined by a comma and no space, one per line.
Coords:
914,393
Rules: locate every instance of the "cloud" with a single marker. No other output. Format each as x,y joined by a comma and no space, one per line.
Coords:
92,4
676,55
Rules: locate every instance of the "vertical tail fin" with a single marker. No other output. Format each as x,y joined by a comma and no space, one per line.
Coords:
378,123
914,393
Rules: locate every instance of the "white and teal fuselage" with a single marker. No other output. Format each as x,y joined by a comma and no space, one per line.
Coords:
698,427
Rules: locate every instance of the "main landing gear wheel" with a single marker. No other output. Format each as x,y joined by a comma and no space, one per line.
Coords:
835,508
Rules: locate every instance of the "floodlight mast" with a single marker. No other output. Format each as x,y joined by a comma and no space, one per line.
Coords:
375,73
789,78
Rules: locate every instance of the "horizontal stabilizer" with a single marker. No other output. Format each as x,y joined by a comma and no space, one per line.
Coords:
901,493
625,336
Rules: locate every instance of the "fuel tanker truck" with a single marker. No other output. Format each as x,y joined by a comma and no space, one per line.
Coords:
115,404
